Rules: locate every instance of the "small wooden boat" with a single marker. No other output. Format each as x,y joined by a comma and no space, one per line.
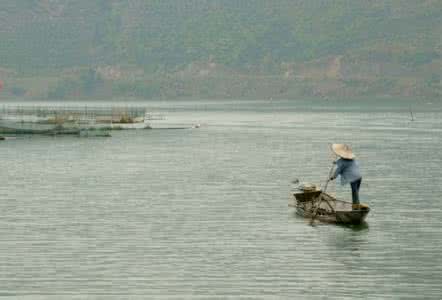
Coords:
330,209
34,128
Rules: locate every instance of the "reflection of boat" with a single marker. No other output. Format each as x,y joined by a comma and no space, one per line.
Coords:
330,209
94,132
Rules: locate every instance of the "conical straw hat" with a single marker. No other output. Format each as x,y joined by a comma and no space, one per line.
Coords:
343,151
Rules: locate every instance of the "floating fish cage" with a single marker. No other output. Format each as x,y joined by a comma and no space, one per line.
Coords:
59,119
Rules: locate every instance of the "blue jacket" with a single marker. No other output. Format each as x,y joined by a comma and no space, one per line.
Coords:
348,169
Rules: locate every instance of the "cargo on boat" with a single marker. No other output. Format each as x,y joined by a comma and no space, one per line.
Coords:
312,203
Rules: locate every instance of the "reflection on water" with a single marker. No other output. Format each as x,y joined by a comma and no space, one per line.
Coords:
351,238
356,227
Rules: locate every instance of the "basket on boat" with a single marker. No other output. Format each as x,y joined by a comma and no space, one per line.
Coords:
307,192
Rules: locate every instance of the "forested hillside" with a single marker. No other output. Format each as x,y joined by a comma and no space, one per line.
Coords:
220,48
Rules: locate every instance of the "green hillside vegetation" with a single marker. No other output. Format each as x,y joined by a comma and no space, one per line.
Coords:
220,48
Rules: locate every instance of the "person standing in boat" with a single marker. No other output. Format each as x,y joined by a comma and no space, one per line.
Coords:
348,168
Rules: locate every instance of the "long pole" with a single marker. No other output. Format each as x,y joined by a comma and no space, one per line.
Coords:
329,176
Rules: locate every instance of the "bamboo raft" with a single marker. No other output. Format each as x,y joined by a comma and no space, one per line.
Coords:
330,209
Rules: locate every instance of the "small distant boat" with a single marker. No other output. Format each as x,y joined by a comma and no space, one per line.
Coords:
23,128
127,126
72,120
330,210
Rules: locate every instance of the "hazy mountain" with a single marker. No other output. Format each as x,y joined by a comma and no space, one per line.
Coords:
220,48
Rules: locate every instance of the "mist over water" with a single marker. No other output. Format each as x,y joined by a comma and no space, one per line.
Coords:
202,213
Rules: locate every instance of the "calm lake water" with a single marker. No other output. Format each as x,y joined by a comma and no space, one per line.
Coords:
202,213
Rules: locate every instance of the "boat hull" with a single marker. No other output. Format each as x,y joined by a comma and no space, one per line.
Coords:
34,130
331,210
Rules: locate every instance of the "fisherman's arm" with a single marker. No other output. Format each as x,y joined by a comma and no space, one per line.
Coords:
340,167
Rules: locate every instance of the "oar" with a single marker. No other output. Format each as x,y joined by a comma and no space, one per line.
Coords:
315,212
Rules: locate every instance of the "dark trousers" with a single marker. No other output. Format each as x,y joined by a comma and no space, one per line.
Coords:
355,185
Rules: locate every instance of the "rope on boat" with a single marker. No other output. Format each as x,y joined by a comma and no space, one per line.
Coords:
319,198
